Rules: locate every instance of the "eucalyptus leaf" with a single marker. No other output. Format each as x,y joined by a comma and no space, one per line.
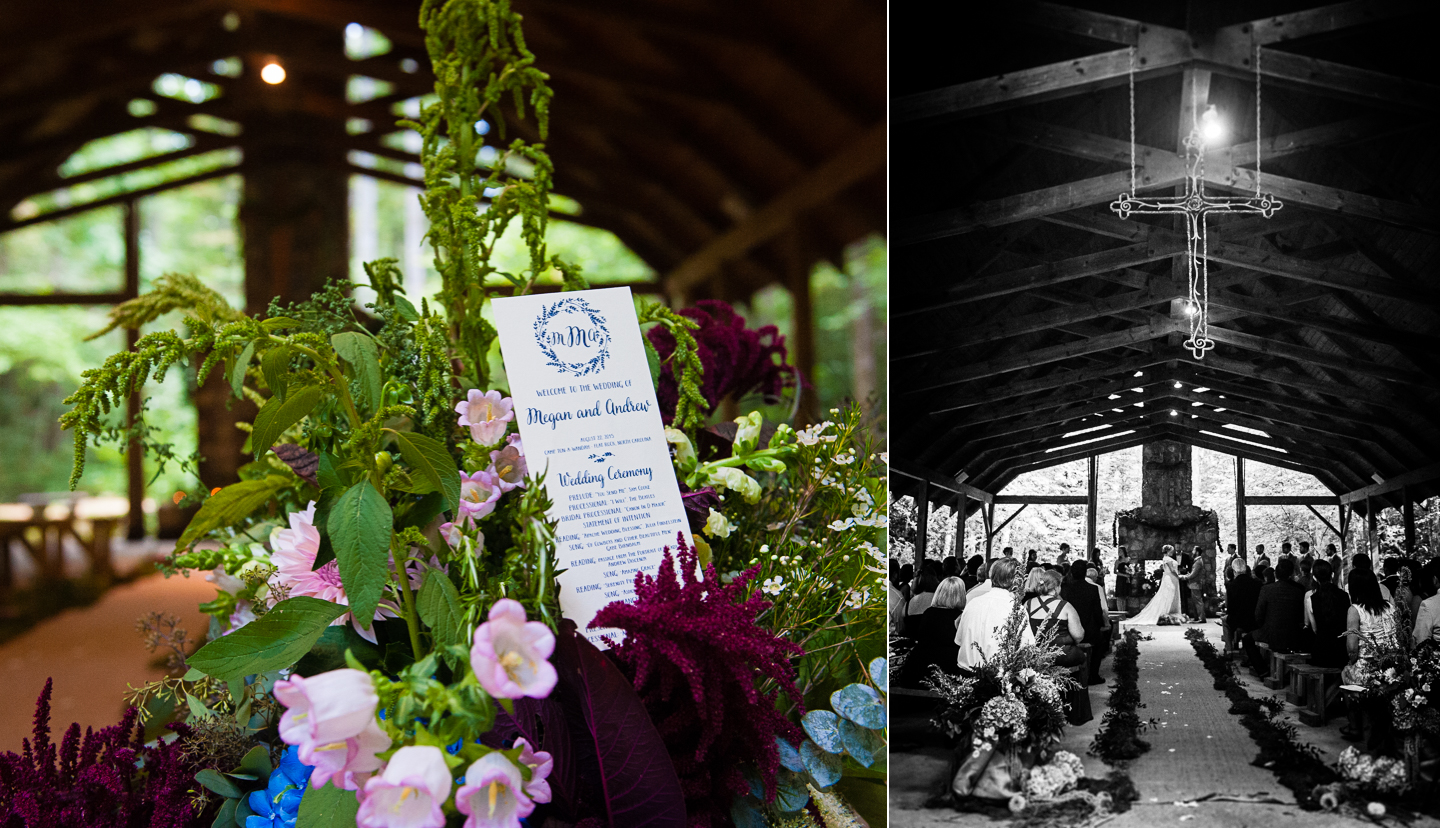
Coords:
824,727
274,640
439,606
360,526
790,792
198,709
432,461
744,815
237,371
789,755
278,415
860,704
219,783
257,762
359,350
880,674
825,768
862,743
275,366
226,817
231,505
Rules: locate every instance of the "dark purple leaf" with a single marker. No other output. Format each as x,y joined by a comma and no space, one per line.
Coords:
541,722
300,461
613,741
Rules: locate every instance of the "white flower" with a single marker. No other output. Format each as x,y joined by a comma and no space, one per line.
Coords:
844,459
885,457
857,598
841,525
717,526
872,550
810,436
773,586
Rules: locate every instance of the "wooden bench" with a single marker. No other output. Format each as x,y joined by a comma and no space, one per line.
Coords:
1317,689
43,538
1280,664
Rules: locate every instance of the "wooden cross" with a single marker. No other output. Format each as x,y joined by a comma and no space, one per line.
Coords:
1195,205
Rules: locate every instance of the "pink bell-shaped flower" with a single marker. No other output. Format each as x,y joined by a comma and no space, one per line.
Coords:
493,795
486,415
540,764
349,763
326,708
510,654
479,492
409,793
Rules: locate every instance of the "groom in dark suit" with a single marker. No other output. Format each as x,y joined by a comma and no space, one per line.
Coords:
1085,598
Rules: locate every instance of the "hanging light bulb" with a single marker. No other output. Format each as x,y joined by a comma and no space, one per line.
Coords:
273,73
1212,129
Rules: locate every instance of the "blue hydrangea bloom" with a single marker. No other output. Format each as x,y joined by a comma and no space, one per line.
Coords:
279,804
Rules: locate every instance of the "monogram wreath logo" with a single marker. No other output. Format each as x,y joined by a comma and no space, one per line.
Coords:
573,337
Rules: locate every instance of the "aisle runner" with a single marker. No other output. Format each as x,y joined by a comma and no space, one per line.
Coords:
1198,747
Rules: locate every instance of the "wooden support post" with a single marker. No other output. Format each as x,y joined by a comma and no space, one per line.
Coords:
134,456
1409,513
803,310
988,510
922,520
1345,514
1092,498
1372,526
961,501
1240,508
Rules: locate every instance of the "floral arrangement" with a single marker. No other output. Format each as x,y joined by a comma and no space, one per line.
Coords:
386,647
1013,702
1373,774
1061,775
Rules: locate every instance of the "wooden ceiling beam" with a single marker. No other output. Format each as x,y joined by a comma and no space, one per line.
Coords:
7,225
1044,275
1044,460
988,395
1328,199
1047,201
1272,347
1040,356
862,157
1384,334
1325,19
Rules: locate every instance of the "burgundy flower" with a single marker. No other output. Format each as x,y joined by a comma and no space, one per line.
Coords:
96,780
737,360
695,655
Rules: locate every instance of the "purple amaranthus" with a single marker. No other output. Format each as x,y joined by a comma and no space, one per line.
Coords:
110,778
694,654
736,359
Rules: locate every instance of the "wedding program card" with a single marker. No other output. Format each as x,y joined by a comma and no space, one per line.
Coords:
587,413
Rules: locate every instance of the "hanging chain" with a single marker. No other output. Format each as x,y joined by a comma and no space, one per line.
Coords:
1132,120
1257,119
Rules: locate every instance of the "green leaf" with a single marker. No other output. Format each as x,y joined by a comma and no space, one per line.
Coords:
226,817
233,504
329,652
278,415
428,456
652,359
359,350
237,371
274,640
256,762
327,807
406,310
439,606
219,783
197,707
359,527
275,365
275,323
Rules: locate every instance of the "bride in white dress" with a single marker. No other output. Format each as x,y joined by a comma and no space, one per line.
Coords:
1167,597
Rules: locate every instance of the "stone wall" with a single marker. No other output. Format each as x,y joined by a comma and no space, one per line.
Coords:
1145,530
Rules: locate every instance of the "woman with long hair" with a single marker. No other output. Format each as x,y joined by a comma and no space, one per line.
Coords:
1370,631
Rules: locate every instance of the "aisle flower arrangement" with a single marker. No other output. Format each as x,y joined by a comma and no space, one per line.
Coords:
386,644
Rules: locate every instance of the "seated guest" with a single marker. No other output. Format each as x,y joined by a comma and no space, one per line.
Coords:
907,581
1279,617
1082,595
1241,593
935,633
1265,574
1305,579
925,587
1049,611
950,567
1370,630
972,574
1362,561
1427,618
984,617
1326,612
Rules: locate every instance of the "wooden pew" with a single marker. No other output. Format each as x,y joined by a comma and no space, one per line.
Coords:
1318,689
